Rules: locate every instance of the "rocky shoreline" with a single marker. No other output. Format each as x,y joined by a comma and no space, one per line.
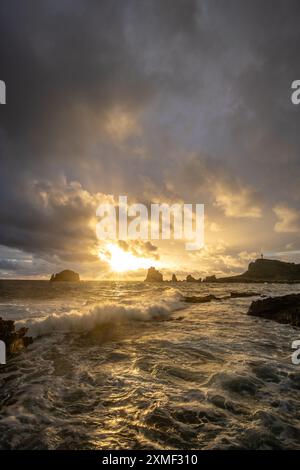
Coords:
284,309
14,340
259,271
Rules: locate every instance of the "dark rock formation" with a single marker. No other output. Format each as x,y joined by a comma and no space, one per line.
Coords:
174,278
14,340
210,279
261,270
66,275
190,278
235,295
154,275
273,270
267,270
285,309
201,299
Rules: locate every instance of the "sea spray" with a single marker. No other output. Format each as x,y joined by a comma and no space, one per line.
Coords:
150,384
102,314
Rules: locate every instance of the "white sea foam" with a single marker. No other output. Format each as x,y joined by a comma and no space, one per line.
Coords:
106,313
143,381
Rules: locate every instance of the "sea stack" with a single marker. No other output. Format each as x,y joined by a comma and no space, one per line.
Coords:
174,278
153,275
190,278
67,275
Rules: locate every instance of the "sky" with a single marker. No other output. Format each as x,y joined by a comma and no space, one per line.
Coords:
160,100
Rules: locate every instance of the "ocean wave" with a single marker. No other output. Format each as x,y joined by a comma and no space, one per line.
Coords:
98,315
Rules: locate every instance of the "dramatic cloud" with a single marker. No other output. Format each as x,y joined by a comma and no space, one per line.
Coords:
288,219
139,248
160,100
54,220
238,202
214,181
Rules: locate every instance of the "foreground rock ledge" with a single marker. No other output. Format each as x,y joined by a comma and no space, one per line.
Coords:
14,340
284,309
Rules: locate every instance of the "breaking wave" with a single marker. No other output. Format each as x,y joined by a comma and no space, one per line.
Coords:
103,314
108,372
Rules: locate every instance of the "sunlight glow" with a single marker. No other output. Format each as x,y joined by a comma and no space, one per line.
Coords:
121,261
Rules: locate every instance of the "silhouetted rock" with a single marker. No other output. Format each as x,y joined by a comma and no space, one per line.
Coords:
210,278
267,270
66,275
190,278
174,278
153,275
14,340
201,299
284,309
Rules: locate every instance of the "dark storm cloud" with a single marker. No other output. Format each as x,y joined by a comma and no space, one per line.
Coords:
53,221
199,77
263,140
65,63
59,56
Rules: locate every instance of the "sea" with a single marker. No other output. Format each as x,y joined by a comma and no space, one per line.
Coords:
133,365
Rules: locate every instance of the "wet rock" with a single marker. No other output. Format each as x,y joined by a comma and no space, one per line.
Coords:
235,295
174,278
67,275
154,275
14,340
283,309
200,299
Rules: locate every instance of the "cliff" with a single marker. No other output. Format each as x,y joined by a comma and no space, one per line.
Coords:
267,270
260,270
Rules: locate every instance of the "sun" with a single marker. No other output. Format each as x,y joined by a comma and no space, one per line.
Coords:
121,260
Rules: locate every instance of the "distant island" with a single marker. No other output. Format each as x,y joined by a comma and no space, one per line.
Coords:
260,270
66,275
